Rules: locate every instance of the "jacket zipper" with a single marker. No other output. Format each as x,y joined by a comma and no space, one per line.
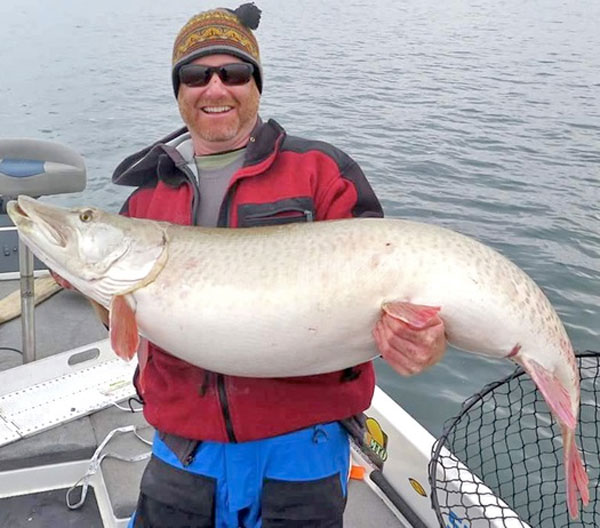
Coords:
220,378
191,179
225,407
223,221
308,215
225,211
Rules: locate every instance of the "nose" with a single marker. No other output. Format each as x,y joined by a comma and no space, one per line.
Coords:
215,84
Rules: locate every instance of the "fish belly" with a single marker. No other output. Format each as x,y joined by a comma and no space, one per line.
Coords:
249,333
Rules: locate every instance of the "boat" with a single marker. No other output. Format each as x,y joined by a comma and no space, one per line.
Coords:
73,442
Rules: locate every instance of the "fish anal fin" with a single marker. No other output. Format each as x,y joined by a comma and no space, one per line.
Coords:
555,393
123,328
415,315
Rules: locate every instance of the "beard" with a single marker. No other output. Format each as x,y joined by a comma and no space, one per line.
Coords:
240,121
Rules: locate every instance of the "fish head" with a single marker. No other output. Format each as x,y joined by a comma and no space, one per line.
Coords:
99,253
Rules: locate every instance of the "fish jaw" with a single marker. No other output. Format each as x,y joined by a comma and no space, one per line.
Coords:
28,219
41,227
59,237
99,253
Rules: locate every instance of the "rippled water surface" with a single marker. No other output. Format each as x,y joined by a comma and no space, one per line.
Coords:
482,116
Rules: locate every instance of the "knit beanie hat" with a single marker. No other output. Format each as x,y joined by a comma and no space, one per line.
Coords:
216,31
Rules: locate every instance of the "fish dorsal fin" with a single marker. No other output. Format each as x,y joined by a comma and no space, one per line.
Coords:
556,395
123,329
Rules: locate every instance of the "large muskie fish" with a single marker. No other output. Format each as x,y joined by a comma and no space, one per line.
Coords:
303,299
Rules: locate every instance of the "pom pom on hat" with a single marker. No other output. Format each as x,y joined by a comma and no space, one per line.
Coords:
248,14
219,31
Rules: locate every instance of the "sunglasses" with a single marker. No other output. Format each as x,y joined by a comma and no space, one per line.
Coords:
234,74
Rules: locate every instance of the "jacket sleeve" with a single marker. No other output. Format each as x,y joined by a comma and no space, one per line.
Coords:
348,194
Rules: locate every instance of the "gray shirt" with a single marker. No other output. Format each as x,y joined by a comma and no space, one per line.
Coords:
214,173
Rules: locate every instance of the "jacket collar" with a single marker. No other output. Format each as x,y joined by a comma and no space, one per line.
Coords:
162,160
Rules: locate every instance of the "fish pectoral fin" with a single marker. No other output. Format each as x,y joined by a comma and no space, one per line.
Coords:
123,329
414,315
555,393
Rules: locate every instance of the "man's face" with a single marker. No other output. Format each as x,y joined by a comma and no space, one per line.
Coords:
220,117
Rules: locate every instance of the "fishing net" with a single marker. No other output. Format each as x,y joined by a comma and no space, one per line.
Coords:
508,440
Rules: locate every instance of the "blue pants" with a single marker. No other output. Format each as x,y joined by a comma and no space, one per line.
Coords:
288,480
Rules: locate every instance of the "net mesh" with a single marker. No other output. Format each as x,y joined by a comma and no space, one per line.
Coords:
508,439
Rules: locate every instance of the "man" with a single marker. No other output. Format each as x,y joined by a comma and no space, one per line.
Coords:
232,451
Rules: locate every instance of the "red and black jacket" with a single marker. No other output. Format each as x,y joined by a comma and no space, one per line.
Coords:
283,179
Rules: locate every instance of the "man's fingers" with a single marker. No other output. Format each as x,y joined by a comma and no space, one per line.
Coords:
407,350
408,362
425,336
60,281
397,323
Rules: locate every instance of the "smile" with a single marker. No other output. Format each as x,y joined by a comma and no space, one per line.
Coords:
216,109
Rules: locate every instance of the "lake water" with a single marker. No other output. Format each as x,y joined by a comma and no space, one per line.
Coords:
479,115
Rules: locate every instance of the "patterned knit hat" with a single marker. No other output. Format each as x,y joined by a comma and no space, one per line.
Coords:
216,31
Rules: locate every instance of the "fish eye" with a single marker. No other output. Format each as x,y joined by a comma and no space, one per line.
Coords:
86,216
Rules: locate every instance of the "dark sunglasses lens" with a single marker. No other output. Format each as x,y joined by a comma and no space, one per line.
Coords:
236,73
195,74
233,74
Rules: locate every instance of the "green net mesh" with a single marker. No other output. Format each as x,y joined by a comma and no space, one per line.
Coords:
508,439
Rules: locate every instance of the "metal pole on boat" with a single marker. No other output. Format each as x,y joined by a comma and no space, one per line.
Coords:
27,303
35,167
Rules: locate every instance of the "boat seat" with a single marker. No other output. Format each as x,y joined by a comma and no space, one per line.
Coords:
38,168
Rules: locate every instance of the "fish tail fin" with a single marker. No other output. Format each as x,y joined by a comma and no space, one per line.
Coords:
559,400
575,474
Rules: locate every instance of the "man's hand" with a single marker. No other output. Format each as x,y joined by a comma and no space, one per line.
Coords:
61,282
410,350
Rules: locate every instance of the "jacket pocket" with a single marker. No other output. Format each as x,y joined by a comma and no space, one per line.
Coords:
175,498
289,210
315,503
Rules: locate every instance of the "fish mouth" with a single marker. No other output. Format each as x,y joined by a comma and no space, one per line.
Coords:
31,215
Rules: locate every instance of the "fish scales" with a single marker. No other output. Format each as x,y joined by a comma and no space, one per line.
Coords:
313,284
